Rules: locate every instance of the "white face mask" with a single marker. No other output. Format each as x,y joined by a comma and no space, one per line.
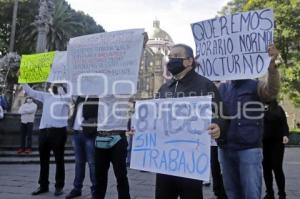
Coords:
29,101
60,91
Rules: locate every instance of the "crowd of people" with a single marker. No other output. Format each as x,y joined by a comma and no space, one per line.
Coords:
244,149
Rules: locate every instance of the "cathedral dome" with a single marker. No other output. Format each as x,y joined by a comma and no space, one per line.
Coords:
159,34
159,40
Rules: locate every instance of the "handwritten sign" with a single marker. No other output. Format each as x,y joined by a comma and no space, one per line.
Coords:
59,67
105,63
234,46
35,68
171,137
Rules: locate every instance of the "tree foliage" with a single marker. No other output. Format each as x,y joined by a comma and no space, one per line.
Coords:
67,23
286,38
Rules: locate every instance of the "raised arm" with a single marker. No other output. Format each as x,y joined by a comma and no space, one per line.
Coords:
268,89
38,95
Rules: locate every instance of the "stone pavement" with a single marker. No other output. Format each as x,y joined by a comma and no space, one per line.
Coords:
18,181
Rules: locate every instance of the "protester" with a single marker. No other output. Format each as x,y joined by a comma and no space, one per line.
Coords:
86,109
53,135
186,82
111,142
276,132
27,111
241,155
111,145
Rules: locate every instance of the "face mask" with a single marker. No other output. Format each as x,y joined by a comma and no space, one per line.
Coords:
29,100
175,66
60,91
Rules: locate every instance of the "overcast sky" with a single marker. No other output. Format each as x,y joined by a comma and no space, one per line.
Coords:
175,16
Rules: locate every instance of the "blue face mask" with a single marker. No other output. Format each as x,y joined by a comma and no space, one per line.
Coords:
175,65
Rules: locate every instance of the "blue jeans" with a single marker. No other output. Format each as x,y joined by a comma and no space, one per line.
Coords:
84,146
242,172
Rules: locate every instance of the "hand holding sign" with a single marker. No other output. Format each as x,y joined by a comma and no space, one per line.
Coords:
273,52
214,130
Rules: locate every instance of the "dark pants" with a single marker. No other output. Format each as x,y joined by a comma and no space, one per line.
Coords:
52,139
84,147
218,186
170,187
273,152
26,135
117,156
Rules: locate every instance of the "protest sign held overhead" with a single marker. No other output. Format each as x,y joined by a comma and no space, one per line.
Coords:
59,67
105,63
234,46
171,137
35,68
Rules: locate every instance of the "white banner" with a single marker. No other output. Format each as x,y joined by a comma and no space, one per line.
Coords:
59,67
105,63
171,137
234,46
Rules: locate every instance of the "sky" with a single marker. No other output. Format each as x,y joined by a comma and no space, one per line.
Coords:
175,16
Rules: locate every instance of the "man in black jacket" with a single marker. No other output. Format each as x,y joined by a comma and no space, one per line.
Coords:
185,83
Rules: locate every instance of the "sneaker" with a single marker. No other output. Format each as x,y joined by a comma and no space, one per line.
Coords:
28,150
20,150
73,194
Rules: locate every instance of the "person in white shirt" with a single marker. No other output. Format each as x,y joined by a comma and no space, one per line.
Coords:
53,134
27,111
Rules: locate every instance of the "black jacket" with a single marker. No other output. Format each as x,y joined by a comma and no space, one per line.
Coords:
88,110
193,84
275,124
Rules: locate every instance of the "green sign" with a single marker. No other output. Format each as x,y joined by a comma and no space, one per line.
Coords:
36,68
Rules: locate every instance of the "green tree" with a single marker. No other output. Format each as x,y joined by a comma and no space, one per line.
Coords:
67,23
232,7
26,12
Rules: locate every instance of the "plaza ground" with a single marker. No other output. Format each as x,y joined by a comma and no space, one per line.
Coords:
17,181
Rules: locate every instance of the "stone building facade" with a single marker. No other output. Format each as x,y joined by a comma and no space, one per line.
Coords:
153,72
